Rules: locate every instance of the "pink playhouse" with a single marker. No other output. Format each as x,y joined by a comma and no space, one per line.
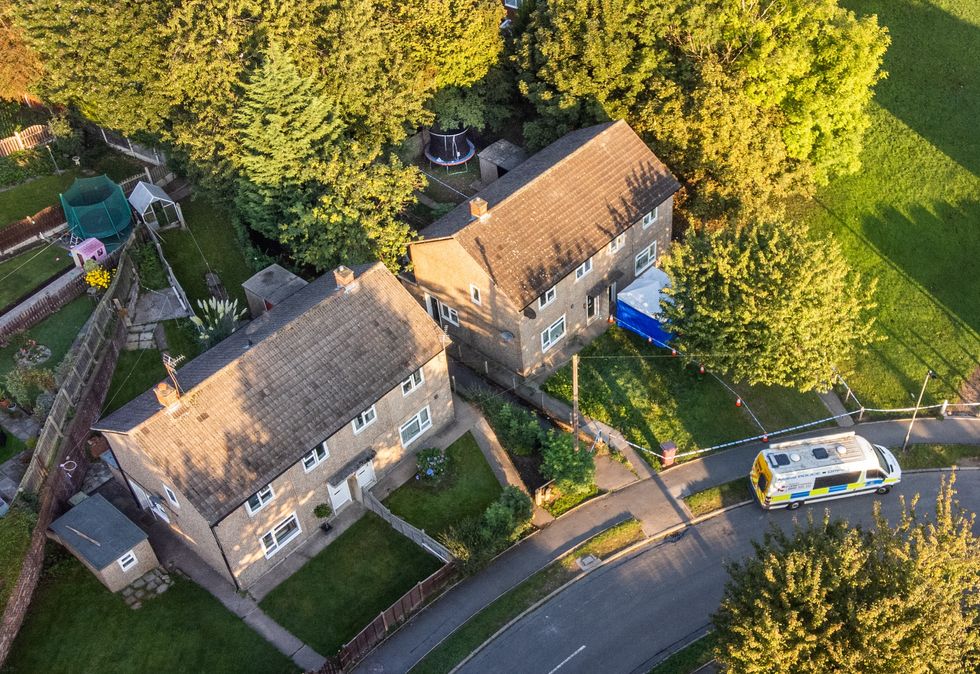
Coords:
88,249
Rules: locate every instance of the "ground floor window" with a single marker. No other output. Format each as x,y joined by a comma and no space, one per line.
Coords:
415,427
553,334
281,534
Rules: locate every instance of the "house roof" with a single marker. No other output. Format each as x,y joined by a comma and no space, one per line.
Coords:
559,207
256,402
113,533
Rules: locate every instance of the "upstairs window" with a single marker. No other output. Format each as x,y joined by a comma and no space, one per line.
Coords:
171,496
650,217
549,296
259,499
364,419
316,457
583,269
617,244
645,258
413,382
475,294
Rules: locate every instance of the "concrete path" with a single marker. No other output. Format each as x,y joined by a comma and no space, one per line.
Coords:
174,554
836,407
630,614
610,474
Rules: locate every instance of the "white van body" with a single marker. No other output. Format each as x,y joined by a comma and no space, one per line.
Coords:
789,474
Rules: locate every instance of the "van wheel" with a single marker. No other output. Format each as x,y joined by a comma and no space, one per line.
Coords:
794,505
883,490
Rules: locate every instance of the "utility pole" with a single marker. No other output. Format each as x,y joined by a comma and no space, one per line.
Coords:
929,375
575,400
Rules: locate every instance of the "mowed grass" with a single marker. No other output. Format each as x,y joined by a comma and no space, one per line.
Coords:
689,658
938,456
57,332
209,244
23,273
466,490
715,498
136,372
342,589
30,197
911,216
652,397
76,625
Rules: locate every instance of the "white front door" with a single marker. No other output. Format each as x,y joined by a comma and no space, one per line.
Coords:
339,495
365,475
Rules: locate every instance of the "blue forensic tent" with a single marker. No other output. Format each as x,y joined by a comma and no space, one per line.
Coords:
96,208
638,306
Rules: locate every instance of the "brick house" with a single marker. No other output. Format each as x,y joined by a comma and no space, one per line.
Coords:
310,403
538,255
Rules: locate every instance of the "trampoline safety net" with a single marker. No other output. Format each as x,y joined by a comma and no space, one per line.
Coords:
96,208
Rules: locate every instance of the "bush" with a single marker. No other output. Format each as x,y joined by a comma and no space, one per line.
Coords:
476,540
432,464
323,511
516,427
150,268
42,406
572,471
20,166
24,384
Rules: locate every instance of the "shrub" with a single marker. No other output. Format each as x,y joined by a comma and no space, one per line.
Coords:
432,464
20,166
571,470
323,511
516,427
24,384
220,318
151,271
42,406
476,540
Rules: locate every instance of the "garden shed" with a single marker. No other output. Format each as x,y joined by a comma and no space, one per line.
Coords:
153,204
97,208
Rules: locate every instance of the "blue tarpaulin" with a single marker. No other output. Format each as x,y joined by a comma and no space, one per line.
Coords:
638,306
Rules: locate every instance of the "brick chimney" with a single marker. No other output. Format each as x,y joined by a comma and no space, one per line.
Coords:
344,276
167,395
478,208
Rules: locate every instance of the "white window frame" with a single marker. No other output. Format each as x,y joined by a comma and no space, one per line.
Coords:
171,496
317,455
278,544
595,305
651,217
547,341
651,253
416,419
448,314
512,4
475,295
265,495
583,269
414,381
360,417
127,561
617,244
550,295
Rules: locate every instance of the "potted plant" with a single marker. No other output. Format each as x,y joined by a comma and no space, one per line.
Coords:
323,511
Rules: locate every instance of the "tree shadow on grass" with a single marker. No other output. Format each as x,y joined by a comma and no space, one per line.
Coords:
933,82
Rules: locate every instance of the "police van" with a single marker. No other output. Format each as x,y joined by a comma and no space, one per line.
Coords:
789,474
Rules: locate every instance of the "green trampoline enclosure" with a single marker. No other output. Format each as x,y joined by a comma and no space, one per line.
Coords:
96,208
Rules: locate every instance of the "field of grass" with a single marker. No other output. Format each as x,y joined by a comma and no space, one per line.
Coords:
466,490
56,332
651,397
689,658
76,625
23,273
211,229
938,456
508,606
342,589
718,497
911,216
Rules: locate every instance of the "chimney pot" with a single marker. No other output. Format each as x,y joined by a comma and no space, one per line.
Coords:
478,208
166,394
344,276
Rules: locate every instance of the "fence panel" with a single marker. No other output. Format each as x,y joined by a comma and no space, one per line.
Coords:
418,536
32,136
32,227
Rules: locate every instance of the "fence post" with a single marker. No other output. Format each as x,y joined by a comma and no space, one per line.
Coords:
104,139
149,178
20,141
384,621
942,410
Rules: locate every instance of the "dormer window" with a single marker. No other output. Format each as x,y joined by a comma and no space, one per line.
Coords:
549,296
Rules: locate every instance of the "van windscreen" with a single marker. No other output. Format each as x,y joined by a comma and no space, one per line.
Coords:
881,459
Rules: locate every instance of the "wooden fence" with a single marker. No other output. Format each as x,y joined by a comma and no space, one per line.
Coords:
43,306
418,536
32,136
44,222
393,616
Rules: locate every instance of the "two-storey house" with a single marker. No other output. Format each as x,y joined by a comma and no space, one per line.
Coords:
308,404
538,255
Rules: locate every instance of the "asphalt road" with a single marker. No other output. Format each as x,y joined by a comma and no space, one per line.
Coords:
628,615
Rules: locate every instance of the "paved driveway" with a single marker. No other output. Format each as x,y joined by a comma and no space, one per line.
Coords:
626,616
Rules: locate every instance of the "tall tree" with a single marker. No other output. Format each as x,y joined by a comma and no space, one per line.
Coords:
834,598
767,304
20,68
108,59
786,83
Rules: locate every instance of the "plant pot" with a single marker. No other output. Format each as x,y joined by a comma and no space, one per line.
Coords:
326,527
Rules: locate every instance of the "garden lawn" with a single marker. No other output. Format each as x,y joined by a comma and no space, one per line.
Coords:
938,456
136,372
30,197
76,625
15,537
338,592
466,490
57,332
13,445
911,215
211,229
652,397
23,273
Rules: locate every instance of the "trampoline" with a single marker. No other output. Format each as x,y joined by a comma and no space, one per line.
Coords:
449,148
96,208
